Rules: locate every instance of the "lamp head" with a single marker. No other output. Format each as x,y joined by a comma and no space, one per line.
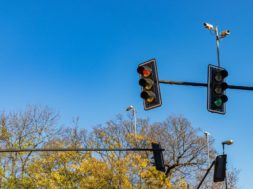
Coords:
228,142
131,107
206,133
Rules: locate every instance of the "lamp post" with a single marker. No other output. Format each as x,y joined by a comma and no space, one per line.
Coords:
227,142
133,110
207,144
220,166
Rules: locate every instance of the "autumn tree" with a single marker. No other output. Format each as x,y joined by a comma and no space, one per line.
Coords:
185,153
91,170
185,150
28,129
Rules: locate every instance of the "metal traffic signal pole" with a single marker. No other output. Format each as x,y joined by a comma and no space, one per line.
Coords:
217,45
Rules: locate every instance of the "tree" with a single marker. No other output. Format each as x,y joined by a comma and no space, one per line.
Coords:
28,129
91,170
185,153
185,150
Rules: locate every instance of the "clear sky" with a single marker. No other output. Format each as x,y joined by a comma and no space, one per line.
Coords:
80,58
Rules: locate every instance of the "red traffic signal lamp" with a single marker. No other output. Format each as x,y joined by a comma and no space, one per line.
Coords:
216,89
149,82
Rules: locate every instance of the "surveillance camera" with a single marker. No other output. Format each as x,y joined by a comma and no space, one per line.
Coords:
208,26
224,33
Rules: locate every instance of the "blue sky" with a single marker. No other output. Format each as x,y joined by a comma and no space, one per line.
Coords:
80,58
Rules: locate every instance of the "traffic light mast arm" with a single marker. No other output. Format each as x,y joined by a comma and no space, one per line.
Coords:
6,150
240,87
182,83
203,84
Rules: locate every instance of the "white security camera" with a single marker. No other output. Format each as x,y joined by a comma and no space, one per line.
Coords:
208,26
224,33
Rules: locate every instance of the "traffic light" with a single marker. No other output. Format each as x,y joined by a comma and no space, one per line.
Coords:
158,157
216,89
149,82
220,168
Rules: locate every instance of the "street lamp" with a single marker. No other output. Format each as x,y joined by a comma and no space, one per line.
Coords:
207,143
220,166
218,35
227,142
132,108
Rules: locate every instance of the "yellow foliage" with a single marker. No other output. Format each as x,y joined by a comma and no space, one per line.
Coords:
181,184
110,170
74,170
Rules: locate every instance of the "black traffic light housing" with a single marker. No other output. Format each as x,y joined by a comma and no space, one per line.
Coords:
216,89
220,168
149,82
158,157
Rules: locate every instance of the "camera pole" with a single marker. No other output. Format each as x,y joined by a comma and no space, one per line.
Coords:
217,44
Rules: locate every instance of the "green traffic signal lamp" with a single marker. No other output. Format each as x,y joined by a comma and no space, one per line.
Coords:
220,101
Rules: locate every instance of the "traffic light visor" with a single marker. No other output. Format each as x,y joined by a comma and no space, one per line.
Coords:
221,100
146,83
149,96
220,75
144,70
219,88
